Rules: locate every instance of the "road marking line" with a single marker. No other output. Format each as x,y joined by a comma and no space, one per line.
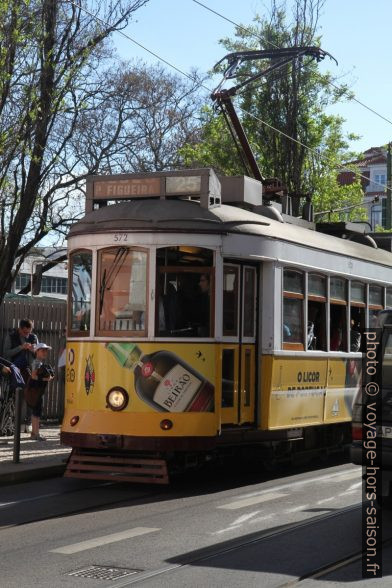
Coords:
299,483
105,540
243,502
297,508
349,476
245,517
356,485
326,500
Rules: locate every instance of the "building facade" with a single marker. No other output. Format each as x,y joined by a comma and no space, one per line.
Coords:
54,281
373,169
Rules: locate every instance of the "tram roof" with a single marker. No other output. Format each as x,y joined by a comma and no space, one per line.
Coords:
185,216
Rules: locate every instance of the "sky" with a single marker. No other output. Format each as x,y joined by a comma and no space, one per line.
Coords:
355,32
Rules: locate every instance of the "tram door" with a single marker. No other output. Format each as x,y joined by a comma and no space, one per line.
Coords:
239,347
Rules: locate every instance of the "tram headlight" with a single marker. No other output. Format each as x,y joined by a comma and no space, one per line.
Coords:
166,424
117,398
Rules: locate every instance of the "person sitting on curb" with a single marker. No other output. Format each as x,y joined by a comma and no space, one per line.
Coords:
41,374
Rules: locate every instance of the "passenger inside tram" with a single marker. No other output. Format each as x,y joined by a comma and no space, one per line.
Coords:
338,328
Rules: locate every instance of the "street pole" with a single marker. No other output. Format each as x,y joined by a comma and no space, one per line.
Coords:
18,418
388,209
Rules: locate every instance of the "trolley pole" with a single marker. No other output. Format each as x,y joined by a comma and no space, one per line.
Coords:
388,209
18,418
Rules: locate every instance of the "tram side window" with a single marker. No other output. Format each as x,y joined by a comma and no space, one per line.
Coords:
122,291
376,303
80,299
388,298
185,292
338,315
317,313
357,314
293,297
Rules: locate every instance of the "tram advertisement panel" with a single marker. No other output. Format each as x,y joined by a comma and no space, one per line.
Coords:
165,378
300,392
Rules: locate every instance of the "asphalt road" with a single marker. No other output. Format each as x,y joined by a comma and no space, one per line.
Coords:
214,529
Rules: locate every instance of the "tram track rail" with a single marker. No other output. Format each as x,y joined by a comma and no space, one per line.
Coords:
207,553
8,506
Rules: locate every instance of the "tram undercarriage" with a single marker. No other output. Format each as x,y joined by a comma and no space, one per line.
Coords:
100,456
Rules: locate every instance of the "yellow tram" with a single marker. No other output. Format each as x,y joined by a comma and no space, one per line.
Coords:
202,320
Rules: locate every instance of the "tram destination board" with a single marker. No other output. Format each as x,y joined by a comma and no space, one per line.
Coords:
124,188
102,189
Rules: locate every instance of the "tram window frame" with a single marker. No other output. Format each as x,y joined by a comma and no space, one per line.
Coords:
374,309
336,304
232,333
176,271
319,339
388,294
72,332
357,316
251,310
139,333
300,296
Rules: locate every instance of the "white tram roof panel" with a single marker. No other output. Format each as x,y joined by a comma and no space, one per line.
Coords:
185,216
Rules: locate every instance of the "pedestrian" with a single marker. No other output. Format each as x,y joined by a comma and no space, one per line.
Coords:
19,346
41,374
19,349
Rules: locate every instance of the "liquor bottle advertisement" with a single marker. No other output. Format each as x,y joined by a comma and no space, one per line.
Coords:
166,378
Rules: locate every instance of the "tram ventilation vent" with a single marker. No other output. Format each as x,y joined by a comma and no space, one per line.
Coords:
103,573
116,467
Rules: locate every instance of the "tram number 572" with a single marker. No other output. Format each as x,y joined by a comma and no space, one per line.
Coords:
120,237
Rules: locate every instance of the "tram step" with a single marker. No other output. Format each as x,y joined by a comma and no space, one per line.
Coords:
116,468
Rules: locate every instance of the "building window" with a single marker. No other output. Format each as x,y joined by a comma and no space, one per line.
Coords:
54,285
380,179
21,281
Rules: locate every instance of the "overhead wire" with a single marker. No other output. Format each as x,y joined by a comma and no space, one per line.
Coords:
316,152
250,32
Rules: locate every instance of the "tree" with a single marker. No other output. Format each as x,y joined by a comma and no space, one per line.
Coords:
146,113
50,53
284,115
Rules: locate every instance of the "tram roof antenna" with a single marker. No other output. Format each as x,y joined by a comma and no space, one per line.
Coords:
223,101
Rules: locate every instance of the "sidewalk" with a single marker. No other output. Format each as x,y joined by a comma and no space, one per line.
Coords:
38,459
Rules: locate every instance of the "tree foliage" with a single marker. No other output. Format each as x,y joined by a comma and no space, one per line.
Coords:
284,115
68,108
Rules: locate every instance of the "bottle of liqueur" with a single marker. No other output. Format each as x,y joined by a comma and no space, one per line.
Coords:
164,381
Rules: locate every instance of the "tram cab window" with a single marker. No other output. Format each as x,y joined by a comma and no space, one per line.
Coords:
185,292
338,315
293,301
80,298
122,291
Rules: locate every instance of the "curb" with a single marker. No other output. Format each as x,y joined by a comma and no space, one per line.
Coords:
28,475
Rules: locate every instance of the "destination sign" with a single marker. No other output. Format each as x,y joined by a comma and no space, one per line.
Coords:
126,188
